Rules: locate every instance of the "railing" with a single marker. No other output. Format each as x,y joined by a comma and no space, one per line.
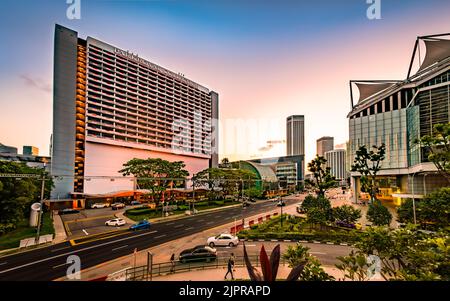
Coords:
145,273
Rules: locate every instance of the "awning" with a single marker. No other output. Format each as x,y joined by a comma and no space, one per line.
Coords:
436,50
366,90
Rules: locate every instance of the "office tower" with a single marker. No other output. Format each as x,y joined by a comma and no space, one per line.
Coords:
336,160
324,144
30,150
295,135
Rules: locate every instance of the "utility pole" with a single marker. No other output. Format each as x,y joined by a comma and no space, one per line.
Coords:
281,213
41,209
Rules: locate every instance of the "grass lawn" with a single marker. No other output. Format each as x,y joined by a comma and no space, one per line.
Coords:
12,239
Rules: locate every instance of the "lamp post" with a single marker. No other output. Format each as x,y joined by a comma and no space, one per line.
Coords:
281,212
41,209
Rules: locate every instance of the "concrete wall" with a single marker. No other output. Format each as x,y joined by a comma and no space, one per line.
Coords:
107,160
63,143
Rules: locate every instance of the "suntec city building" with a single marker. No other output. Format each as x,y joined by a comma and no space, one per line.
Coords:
110,106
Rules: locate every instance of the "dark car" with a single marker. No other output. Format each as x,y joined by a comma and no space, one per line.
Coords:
117,206
198,253
141,225
135,203
68,211
345,224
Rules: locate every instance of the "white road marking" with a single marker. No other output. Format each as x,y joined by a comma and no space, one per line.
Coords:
160,236
85,232
75,251
190,228
201,220
171,223
60,265
60,249
120,247
178,226
318,253
208,223
3,263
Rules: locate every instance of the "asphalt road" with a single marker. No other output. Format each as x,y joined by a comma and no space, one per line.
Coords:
49,263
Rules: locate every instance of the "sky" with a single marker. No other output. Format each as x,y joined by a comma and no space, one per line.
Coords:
266,59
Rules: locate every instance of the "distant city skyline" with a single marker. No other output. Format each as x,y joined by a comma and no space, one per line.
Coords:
300,61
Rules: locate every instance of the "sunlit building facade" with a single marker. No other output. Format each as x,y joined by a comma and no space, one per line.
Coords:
396,113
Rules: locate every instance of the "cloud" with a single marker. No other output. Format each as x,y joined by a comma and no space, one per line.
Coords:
36,83
269,145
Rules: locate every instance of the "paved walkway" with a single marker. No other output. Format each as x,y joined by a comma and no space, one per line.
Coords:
60,232
240,273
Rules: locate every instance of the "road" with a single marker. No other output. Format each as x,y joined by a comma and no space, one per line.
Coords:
49,263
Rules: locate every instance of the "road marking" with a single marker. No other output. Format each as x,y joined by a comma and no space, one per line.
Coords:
60,249
190,228
160,236
318,253
178,226
75,251
60,265
201,220
120,247
85,232
171,223
208,223
3,263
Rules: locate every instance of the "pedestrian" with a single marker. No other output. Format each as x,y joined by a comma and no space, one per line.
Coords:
172,263
230,267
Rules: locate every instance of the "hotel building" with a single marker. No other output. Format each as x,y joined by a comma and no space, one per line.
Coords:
396,113
111,106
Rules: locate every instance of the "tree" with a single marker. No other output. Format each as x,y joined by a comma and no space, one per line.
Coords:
211,178
18,193
433,210
378,214
318,210
368,163
225,163
313,270
323,179
404,254
156,174
438,147
346,213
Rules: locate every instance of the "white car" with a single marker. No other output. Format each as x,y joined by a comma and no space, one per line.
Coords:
223,240
117,222
99,205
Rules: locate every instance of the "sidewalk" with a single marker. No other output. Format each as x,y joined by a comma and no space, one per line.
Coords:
60,232
240,273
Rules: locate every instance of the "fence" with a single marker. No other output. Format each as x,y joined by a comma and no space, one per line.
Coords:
240,227
145,273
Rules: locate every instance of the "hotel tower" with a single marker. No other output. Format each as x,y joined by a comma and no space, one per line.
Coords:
110,106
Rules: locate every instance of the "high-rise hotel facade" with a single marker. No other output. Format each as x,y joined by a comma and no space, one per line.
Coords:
396,113
111,106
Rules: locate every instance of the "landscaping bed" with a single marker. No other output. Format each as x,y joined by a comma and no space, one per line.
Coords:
296,228
145,212
12,239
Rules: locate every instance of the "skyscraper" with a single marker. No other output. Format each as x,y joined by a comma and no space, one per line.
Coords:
324,144
111,106
295,135
336,160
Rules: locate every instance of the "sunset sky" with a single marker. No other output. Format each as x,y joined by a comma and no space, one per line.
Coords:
266,59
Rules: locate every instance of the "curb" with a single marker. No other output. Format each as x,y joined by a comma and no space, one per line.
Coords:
296,240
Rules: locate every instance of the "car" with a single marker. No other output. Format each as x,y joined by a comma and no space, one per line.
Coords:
348,225
300,209
281,203
224,239
68,211
198,253
135,203
117,206
141,225
99,205
115,222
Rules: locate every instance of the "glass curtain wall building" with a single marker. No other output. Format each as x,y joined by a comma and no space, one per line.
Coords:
396,113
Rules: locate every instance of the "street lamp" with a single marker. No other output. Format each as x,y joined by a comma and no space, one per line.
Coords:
41,203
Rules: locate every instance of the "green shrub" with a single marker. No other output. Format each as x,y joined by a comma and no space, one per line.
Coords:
219,203
139,211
